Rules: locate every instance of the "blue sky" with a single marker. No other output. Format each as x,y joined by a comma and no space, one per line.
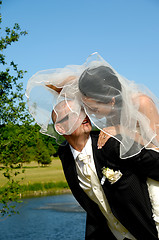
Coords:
60,33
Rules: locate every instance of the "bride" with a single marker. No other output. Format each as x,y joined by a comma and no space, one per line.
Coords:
123,110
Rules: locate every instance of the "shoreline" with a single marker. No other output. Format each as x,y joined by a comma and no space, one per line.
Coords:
39,193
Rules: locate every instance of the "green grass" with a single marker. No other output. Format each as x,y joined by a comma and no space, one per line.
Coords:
39,180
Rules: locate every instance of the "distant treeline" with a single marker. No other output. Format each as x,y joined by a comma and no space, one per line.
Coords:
24,143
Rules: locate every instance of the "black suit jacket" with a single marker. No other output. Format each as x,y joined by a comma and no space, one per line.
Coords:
128,197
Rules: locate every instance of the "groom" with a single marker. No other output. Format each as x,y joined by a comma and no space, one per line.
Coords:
118,210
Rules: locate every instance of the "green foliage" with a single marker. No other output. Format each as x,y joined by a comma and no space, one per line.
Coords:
9,192
12,111
13,143
24,143
12,105
49,141
51,149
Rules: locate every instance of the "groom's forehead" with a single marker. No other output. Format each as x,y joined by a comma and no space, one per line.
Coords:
63,108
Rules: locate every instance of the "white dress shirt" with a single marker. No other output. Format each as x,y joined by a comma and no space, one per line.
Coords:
92,187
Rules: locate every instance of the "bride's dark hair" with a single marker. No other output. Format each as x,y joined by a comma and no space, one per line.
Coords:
101,84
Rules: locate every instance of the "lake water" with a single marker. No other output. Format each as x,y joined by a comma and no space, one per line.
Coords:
46,218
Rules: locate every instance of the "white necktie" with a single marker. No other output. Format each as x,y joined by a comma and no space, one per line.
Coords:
85,161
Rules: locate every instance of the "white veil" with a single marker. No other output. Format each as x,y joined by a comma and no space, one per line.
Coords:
47,89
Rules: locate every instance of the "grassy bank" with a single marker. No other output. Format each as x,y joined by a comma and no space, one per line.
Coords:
40,180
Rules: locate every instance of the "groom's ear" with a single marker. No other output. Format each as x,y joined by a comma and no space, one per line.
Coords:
59,128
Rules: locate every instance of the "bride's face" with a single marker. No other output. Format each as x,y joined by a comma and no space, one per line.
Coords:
96,107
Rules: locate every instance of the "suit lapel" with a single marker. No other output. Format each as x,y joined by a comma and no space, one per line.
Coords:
99,161
69,167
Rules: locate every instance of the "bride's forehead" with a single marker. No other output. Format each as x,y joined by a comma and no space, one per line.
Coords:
89,100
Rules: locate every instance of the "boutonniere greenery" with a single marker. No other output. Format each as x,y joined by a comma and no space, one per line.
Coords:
111,175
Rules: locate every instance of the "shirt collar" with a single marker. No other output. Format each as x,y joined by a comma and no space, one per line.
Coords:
87,150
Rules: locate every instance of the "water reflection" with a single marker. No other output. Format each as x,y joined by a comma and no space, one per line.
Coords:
64,207
46,218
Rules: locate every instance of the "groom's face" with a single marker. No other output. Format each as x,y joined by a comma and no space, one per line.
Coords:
64,119
84,128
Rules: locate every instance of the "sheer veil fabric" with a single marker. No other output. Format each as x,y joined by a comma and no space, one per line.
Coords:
93,87
46,90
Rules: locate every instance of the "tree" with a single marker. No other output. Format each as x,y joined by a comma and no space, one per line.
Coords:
42,152
12,112
51,149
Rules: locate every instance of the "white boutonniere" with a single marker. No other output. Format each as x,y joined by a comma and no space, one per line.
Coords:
111,175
